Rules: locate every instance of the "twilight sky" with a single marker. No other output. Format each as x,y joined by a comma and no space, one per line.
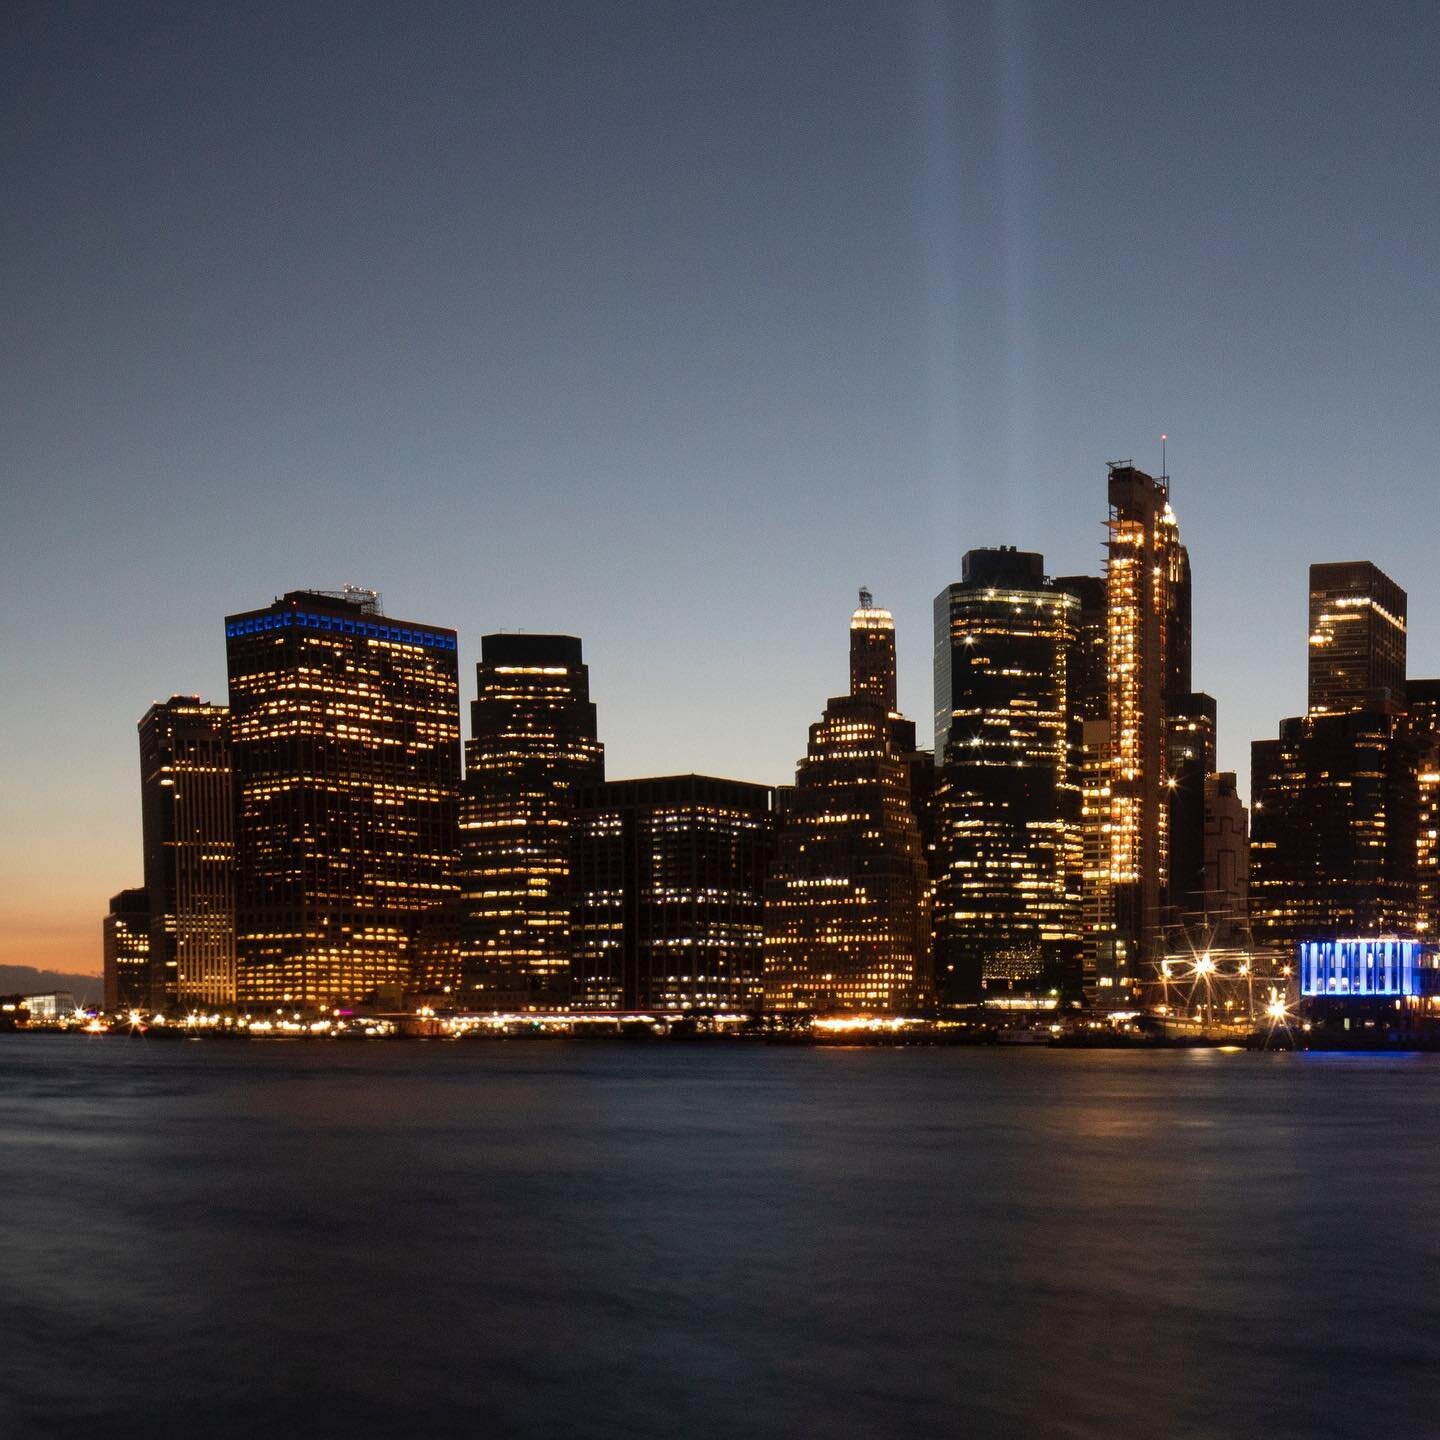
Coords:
669,325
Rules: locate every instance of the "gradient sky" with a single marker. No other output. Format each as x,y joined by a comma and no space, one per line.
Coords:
669,325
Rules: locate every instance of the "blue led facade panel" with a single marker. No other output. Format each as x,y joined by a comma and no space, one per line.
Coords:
1336,969
257,624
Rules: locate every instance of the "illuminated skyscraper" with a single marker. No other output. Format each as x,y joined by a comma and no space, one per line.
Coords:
1097,898
345,732
1357,639
532,747
1179,645
1422,706
1333,829
847,925
1427,845
872,653
1008,906
1190,761
189,848
1147,584
669,888
127,951
1087,684
1334,825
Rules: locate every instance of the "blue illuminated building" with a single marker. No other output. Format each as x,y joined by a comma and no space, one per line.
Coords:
1360,969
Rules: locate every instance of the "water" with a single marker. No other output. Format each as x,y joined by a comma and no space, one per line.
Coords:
609,1240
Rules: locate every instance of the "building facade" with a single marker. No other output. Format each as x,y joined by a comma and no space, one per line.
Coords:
1088,689
1087,681
847,927
1336,842
189,850
127,951
1357,639
532,748
1333,829
1190,762
669,886
345,734
1008,899
1147,649
1227,855
1422,716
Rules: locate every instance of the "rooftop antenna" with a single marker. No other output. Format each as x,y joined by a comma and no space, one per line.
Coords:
1164,475
867,600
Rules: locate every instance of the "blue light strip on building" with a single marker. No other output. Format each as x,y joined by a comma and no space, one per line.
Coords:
1338,968
336,625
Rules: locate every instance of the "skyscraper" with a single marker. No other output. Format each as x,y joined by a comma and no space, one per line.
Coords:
1086,677
1423,722
669,888
532,747
1333,837
846,916
1147,585
1227,857
1008,898
1087,684
1334,840
872,653
346,741
127,951
1357,639
185,805
1190,761
1097,897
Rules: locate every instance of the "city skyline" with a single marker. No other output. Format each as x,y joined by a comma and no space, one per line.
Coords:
87,961
669,336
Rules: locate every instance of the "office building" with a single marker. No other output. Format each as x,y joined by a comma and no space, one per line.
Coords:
345,735
847,926
1100,965
1088,694
1190,761
1147,654
872,653
127,951
1227,857
1008,898
1333,829
1422,706
669,888
1357,639
1336,844
532,748
189,850
1087,679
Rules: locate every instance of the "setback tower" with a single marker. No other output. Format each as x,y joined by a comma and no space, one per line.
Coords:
532,747
345,732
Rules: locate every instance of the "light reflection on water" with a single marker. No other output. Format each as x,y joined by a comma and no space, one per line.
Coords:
554,1239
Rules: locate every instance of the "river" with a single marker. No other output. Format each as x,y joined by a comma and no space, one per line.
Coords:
601,1239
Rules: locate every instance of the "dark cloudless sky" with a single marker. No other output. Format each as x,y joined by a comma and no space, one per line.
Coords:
669,325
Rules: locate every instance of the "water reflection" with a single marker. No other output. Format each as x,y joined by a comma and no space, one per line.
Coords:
592,1240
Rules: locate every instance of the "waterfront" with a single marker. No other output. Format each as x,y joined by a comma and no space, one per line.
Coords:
604,1240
